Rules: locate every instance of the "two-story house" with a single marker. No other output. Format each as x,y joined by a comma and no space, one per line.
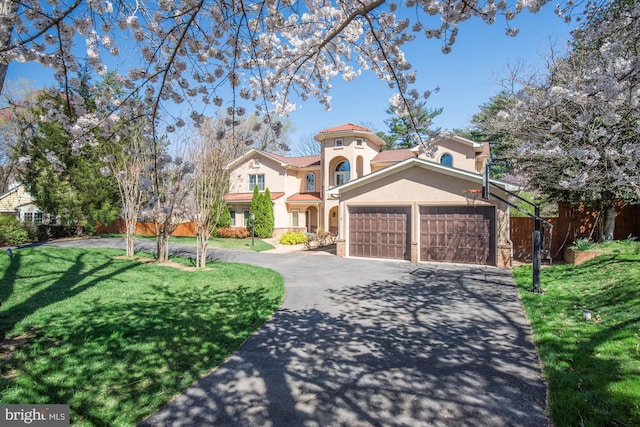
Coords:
398,204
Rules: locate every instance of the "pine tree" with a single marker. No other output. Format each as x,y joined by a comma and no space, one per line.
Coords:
269,217
254,209
70,185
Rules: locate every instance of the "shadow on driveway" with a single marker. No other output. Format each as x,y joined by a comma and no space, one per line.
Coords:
372,343
432,345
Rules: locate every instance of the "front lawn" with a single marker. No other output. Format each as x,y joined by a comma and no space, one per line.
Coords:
116,338
592,367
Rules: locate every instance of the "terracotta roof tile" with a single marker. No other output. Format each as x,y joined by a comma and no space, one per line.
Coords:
301,162
345,128
246,197
394,155
305,197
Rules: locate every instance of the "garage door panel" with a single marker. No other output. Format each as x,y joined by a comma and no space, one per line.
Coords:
462,234
379,232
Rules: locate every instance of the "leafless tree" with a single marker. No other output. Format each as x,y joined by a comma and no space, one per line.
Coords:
172,193
210,153
129,166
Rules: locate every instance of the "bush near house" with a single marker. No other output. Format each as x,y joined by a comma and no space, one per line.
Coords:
232,233
225,218
14,232
293,238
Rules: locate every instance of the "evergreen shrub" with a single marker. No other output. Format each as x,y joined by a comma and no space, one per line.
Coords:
293,238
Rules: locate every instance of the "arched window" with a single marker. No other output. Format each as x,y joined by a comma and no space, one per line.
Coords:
446,160
311,182
342,173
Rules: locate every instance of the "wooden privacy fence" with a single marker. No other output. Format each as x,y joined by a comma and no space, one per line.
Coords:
144,228
572,224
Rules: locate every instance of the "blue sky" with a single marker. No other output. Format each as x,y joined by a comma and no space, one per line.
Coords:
466,76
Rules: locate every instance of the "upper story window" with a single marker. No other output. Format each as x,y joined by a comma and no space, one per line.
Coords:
342,173
255,163
339,142
446,160
311,182
359,142
256,180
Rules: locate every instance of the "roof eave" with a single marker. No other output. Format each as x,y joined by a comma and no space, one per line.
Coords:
425,164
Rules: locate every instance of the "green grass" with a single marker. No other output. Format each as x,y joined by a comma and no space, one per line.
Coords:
214,242
614,246
115,338
592,367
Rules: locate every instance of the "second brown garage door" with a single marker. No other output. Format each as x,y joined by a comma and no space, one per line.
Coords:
380,232
463,234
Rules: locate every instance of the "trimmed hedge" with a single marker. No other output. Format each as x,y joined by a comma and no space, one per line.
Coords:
293,238
232,233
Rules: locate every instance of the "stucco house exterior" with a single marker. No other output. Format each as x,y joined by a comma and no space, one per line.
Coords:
396,204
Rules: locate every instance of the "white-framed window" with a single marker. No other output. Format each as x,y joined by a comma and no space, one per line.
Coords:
33,217
311,182
342,173
255,163
233,218
359,142
256,180
339,142
294,218
446,160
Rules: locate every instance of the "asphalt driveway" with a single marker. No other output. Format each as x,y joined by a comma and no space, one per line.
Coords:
372,343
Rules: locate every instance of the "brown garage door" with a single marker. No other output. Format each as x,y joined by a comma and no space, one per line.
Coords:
463,234
380,232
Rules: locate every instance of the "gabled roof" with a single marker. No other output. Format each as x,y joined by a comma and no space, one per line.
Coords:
394,155
299,162
425,164
11,190
246,197
349,129
479,147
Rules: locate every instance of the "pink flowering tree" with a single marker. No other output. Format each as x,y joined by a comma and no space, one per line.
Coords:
196,52
578,126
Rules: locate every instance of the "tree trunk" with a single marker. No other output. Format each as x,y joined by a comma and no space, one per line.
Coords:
609,222
130,236
162,249
202,242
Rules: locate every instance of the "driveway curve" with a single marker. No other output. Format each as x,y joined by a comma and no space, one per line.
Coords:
371,343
